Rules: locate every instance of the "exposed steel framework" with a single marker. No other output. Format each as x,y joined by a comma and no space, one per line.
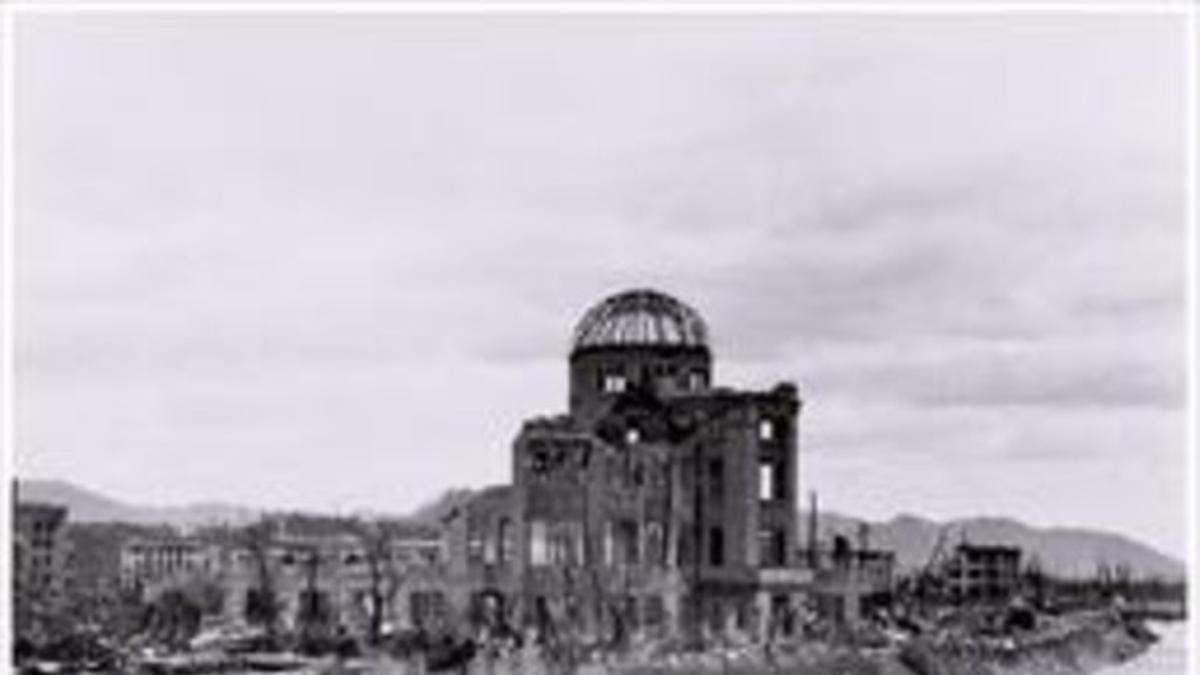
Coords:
640,317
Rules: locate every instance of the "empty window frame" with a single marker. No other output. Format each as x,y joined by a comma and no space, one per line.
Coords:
656,545
766,430
539,550
504,541
772,480
716,479
716,547
766,480
609,544
566,543
613,383
772,547
629,542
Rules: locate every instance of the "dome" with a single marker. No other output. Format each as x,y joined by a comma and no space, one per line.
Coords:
641,317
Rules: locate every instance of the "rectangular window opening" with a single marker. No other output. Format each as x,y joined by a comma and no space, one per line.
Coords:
766,480
716,479
613,383
716,547
539,553
766,430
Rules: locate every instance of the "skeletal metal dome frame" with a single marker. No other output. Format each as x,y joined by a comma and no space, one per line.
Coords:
640,317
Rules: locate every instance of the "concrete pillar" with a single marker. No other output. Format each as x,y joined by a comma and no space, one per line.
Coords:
852,608
731,610
762,603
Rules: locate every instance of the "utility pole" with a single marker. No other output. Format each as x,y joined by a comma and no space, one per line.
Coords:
813,558
697,542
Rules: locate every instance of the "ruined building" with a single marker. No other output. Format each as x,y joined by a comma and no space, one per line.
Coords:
978,572
323,581
851,582
40,552
307,575
153,563
659,501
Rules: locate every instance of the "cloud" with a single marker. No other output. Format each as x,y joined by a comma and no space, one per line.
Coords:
269,240
1058,372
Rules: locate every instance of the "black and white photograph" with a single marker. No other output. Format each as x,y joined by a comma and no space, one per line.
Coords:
505,339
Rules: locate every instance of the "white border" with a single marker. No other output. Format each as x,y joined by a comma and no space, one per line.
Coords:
613,7
8,17
1192,25
7,342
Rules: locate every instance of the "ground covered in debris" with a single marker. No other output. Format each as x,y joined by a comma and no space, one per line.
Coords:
1072,647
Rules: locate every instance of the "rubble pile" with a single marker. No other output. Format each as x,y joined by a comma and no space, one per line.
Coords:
1067,645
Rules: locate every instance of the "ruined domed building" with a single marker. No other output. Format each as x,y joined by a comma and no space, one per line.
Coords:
659,502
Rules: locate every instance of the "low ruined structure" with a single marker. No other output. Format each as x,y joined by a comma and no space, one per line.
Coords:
367,578
988,573
154,564
852,583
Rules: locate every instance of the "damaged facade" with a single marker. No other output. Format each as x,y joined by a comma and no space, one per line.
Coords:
347,579
313,575
852,583
40,552
978,572
153,564
658,502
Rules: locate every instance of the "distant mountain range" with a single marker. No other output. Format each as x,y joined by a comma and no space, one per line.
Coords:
1062,551
1059,550
87,506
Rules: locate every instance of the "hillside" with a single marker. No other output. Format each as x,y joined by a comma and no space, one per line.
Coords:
87,506
1060,550
1063,551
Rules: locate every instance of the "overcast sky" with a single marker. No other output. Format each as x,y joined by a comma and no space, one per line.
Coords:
333,262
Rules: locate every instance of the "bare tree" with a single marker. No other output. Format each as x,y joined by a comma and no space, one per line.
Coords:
262,603
314,617
1034,579
384,575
